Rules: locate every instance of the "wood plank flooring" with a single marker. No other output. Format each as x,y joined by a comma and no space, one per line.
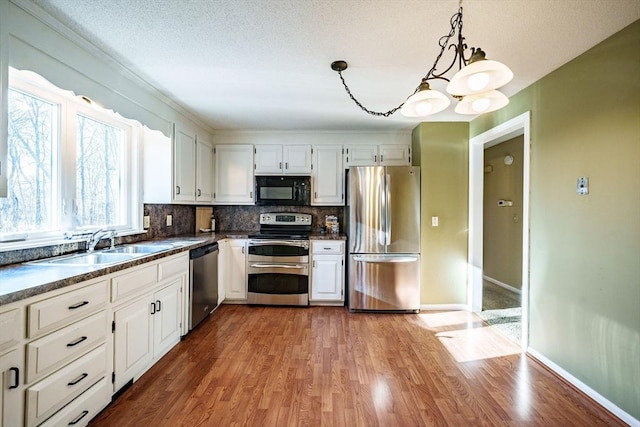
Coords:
324,366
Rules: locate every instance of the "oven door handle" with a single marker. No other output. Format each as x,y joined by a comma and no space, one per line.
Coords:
277,266
300,243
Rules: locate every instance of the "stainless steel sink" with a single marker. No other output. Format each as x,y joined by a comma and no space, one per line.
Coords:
87,259
139,249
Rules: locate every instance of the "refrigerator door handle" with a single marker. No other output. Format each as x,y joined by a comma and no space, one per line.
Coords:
378,259
387,197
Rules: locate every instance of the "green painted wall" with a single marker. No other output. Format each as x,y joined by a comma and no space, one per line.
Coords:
585,250
442,151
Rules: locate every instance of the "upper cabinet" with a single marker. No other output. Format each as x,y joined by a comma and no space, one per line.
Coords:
327,179
193,163
189,156
283,159
233,174
377,155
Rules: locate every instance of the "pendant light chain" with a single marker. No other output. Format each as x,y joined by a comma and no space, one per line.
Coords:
373,113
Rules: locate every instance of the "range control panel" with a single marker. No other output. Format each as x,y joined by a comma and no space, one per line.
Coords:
281,218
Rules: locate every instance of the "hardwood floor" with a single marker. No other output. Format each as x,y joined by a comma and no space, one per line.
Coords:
324,366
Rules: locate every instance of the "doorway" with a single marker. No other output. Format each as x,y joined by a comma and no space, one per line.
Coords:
481,281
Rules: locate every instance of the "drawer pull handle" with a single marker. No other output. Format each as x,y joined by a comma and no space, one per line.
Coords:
16,384
76,342
78,305
80,378
77,420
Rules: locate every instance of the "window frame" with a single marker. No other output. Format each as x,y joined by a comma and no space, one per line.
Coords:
63,184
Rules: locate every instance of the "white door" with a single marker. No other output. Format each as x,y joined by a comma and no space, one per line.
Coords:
395,155
11,379
234,174
133,340
361,155
327,278
268,159
236,270
327,180
204,172
184,163
166,319
297,159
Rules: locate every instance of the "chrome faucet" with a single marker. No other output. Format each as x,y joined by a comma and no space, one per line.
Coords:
95,237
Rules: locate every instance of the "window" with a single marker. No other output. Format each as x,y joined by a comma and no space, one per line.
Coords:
71,165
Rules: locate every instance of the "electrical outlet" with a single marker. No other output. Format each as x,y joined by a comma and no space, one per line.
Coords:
169,220
146,221
434,221
583,186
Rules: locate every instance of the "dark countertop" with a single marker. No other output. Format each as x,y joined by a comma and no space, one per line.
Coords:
21,281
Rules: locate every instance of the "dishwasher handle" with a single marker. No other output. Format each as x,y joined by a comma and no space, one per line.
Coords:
202,251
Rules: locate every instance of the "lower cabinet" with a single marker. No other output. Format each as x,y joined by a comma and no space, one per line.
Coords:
145,330
327,272
11,393
233,272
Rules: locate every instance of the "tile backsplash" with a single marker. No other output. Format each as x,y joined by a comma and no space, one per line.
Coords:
228,218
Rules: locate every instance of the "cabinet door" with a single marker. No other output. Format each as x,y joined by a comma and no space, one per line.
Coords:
204,172
183,167
327,180
361,155
11,380
167,318
236,280
133,340
395,155
268,159
327,280
233,174
297,159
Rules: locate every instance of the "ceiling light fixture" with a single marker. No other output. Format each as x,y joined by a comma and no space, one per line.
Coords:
474,85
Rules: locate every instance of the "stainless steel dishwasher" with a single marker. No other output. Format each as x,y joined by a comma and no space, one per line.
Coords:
203,283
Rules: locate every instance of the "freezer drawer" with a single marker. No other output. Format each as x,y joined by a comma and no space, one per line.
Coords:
384,282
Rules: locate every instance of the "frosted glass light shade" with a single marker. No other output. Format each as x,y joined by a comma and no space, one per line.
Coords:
480,103
424,103
479,76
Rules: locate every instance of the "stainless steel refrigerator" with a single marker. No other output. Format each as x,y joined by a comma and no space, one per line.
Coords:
383,210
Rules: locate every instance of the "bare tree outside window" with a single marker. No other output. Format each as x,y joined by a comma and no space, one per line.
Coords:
99,160
32,140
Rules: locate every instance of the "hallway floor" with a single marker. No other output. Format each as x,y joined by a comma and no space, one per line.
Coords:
502,309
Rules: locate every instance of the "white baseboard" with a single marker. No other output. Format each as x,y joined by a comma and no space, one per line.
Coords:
502,285
611,407
444,307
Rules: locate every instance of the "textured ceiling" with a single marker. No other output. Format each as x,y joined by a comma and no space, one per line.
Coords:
264,64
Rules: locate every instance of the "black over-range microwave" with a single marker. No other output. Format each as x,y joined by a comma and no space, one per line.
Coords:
283,190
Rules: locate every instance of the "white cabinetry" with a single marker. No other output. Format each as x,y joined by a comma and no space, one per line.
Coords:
189,156
233,174
327,179
283,159
327,272
233,269
68,354
11,366
148,319
377,155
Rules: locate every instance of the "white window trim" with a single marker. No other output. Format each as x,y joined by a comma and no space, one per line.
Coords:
69,105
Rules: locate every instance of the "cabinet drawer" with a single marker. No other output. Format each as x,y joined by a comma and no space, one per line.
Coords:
319,247
173,267
49,395
11,327
133,281
52,313
54,350
80,411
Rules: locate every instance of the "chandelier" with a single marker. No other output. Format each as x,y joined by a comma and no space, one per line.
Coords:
474,85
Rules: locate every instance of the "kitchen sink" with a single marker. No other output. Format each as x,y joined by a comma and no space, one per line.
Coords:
87,259
139,249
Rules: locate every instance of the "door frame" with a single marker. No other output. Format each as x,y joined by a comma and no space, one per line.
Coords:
520,125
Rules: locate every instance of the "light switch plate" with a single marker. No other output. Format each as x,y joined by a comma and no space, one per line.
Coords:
146,221
583,186
169,220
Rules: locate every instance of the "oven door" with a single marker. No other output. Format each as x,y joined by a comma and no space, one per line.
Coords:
278,272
